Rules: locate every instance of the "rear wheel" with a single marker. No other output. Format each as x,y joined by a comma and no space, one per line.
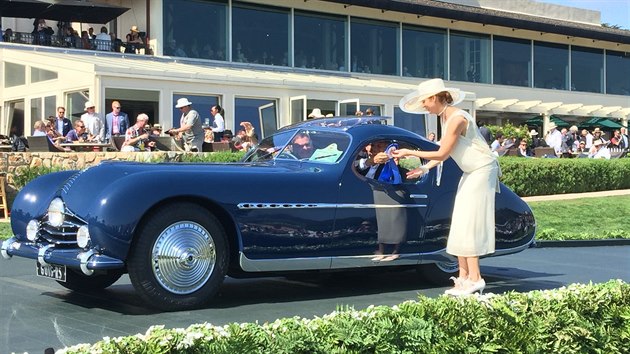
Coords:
439,273
77,281
180,257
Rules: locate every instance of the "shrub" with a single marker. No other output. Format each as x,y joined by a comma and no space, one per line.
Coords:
573,319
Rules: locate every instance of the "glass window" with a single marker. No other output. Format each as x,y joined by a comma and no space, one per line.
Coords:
587,69
195,29
374,47
15,114
201,104
36,110
76,104
409,121
551,66
50,105
469,57
618,73
512,60
38,75
424,52
14,74
255,111
320,41
260,34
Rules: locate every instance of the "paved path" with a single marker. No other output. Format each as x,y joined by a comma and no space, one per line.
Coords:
541,198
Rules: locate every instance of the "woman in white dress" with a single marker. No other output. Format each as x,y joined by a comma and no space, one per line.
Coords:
472,224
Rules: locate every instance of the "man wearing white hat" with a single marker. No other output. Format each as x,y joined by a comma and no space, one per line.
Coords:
316,113
190,127
472,229
554,138
599,150
93,123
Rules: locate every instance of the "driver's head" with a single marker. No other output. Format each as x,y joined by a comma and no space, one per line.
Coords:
301,146
379,146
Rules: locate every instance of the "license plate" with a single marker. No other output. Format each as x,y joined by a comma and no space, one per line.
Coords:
52,271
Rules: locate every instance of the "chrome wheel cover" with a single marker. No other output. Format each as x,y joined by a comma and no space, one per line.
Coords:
183,257
448,267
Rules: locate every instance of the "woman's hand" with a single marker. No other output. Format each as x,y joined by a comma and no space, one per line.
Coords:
418,172
401,153
380,158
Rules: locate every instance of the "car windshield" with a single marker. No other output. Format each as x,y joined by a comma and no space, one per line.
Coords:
302,145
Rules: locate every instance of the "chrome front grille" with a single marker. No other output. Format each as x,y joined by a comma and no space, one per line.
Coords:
65,235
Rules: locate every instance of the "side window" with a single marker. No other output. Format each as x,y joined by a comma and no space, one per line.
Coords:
371,162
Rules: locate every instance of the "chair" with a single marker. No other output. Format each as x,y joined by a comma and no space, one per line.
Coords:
163,143
42,144
544,151
118,141
3,197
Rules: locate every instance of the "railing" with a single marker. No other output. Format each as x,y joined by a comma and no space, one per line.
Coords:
117,45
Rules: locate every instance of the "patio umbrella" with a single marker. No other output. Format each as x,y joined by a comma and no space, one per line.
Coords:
22,8
81,11
600,122
538,121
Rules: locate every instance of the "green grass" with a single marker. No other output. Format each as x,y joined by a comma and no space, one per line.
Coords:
579,219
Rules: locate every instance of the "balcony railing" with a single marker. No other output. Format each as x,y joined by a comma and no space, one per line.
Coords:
116,45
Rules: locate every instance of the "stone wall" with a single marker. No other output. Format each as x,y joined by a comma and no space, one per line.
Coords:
16,163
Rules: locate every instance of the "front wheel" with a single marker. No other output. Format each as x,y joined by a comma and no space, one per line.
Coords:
180,257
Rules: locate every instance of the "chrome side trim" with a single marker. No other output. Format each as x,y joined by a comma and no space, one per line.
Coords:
269,265
418,196
251,205
85,258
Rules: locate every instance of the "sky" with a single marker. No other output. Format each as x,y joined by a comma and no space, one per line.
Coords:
614,12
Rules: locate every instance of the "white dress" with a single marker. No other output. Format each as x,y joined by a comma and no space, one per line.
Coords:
472,224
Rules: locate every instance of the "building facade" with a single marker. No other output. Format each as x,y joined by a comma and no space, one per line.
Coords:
272,62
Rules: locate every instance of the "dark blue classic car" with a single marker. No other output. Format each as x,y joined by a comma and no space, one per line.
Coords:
300,201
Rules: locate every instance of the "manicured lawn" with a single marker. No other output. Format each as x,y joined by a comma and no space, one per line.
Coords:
592,216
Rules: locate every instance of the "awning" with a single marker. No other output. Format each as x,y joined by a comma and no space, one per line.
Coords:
600,122
62,10
81,11
22,8
538,121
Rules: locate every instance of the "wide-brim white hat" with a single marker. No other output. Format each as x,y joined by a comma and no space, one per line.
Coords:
533,132
551,126
316,113
412,102
88,104
183,102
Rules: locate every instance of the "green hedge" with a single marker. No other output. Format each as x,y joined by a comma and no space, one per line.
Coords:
529,177
574,319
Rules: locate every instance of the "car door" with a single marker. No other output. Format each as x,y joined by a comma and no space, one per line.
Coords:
376,217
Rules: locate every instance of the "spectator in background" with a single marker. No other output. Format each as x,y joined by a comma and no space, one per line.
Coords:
116,122
616,141
62,124
587,138
78,134
554,138
599,150
624,138
156,131
523,150
39,128
431,137
136,137
86,42
8,35
190,128
573,138
134,41
90,33
103,41
598,134
218,125
497,145
369,112
485,132
93,123
41,32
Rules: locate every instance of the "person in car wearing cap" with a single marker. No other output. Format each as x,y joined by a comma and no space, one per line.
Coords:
472,229
93,123
190,128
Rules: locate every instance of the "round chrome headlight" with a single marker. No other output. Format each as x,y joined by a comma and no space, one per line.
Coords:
31,230
56,214
83,236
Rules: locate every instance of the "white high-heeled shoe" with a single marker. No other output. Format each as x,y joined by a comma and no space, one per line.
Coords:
459,283
471,287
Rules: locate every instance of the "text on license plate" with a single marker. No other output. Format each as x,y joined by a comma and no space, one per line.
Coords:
53,271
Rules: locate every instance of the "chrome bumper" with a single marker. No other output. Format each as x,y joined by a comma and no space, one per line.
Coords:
87,261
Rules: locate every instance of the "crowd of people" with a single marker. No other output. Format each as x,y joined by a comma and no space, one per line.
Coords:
565,142
68,36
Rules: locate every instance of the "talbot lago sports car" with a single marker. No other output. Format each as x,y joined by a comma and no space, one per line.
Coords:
297,202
